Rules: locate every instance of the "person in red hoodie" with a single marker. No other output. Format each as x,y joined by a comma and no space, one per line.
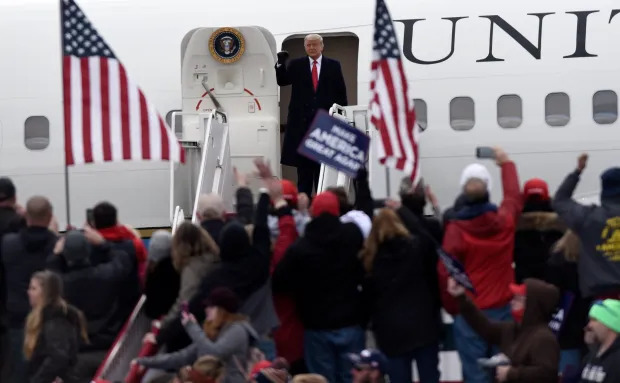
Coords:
481,236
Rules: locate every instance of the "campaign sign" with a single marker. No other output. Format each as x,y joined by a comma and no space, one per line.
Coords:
557,321
335,143
456,270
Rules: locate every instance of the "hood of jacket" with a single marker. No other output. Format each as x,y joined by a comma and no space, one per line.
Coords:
540,303
36,238
540,221
234,243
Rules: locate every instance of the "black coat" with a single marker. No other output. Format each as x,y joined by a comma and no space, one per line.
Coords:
23,254
95,290
321,270
161,288
403,310
305,102
10,222
55,354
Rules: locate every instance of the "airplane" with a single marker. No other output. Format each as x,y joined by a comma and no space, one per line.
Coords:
536,78
533,77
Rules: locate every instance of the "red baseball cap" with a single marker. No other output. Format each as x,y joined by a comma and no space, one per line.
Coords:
289,191
536,187
326,202
518,289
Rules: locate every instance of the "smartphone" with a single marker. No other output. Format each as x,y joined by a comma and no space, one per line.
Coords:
485,152
90,217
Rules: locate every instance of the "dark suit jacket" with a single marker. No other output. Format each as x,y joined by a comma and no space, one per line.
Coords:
305,102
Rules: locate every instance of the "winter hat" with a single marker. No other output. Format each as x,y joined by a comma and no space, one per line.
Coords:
225,298
360,219
610,180
7,189
289,192
326,202
76,249
234,242
608,313
160,245
479,172
536,187
370,358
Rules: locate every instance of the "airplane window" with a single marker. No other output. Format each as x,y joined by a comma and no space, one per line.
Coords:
462,114
37,132
605,107
557,109
421,113
178,123
509,111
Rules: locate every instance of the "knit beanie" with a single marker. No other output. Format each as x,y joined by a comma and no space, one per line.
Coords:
608,313
610,181
76,249
225,298
476,171
160,245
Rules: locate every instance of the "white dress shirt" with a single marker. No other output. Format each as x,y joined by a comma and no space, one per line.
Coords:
318,64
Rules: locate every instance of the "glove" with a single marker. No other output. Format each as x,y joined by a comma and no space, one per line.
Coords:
282,57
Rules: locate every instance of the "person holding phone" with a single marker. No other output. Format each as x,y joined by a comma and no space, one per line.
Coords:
527,342
481,236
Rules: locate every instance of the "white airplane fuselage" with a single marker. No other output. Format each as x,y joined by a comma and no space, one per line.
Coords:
475,51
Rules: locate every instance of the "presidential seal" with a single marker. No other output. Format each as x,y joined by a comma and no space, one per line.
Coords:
227,45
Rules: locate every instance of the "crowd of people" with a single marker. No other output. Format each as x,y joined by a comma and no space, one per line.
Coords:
290,287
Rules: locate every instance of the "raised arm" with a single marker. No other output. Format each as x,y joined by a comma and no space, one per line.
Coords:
512,203
282,75
571,212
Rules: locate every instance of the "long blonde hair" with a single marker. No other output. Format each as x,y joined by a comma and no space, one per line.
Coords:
569,245
189,241
51,287
386,225
212,328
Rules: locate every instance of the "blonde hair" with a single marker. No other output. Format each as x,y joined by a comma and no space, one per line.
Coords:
190,241
208,366
569,245
386,225
51,287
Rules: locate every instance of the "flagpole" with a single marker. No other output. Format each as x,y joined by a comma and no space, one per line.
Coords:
62,74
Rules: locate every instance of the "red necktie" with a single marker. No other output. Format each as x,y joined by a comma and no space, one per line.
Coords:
315,76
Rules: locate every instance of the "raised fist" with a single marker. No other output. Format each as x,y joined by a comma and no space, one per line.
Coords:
282,57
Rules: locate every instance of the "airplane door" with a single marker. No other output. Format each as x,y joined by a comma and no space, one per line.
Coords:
236,67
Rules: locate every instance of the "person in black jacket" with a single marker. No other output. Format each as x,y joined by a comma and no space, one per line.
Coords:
53,333
11,221
562,273
317,83
211,214
23,254
402,303
322,272
162,280
539,227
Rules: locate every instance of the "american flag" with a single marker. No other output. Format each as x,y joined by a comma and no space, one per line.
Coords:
391,110
107,116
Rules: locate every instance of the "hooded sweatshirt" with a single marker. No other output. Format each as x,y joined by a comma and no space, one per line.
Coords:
531,346
23,254
120,233
598,228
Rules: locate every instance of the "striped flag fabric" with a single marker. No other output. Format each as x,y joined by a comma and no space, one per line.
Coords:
107,117
391,110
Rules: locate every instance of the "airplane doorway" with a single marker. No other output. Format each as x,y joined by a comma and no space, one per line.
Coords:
343,47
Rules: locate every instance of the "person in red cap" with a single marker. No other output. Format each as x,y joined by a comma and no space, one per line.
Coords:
539,227
530,349
323,274
298,203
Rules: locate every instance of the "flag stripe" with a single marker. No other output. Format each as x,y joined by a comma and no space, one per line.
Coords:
77,145
125,113
105,108
135,120
144,124
66,75
85,69
154,133
95,109
116,133
165,146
